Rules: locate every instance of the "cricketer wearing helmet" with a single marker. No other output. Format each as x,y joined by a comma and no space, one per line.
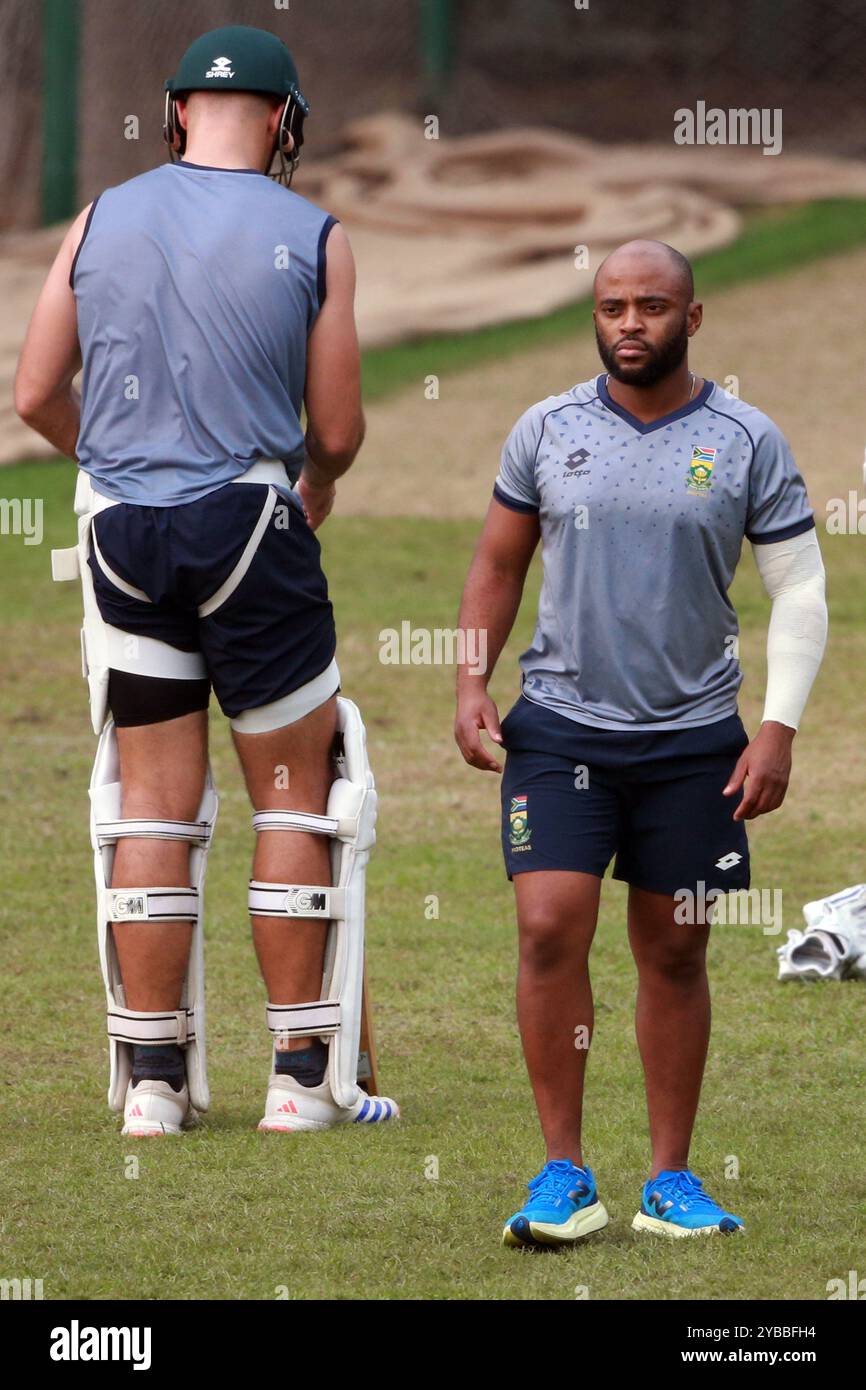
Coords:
641,485
206,303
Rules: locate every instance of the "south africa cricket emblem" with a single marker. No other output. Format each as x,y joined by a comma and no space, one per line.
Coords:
519,832
701,470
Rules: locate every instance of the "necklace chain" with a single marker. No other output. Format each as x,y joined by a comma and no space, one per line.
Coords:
692,378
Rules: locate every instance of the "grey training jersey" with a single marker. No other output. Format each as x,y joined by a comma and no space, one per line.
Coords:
196,291
641,530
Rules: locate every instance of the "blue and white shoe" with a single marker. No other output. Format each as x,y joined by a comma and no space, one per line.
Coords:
291,1108
675,1204
563,1206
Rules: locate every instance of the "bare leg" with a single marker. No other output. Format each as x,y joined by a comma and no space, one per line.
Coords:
162,770
557,914
672,1021
291,950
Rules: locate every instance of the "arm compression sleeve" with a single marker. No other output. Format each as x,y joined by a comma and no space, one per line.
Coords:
792,573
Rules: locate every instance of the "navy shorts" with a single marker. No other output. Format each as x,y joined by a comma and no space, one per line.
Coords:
573,796
235,576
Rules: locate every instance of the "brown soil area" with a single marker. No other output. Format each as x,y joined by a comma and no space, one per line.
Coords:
791,341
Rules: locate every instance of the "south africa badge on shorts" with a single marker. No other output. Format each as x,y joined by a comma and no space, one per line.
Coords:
701,470
519,832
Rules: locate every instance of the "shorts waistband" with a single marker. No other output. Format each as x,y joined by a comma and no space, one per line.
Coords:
87,499
265,471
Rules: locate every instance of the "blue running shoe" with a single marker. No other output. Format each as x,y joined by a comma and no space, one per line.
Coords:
675,1204
563,1206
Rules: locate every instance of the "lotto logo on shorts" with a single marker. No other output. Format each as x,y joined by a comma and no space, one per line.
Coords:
728,861
126,907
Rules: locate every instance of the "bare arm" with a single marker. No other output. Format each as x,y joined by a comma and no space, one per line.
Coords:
332,393
44,395
491,598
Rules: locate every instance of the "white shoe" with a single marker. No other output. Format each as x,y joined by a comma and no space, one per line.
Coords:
153,1109
291,1106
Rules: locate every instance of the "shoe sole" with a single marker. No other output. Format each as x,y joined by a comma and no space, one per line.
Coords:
667,1228
315,1126
582,1223
163,1132
304,1127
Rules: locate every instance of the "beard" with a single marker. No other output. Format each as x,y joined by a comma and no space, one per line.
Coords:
659,362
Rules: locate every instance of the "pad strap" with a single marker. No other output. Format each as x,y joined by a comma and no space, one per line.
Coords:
110,831
304,1020
152,904
171,1026
65,564
346,827
296,900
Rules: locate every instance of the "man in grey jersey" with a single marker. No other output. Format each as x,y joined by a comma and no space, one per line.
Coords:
641,484
207,303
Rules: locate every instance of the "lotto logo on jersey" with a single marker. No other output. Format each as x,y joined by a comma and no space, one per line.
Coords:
701,470
574,464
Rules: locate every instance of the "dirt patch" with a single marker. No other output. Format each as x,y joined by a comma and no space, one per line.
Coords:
456,234
790,341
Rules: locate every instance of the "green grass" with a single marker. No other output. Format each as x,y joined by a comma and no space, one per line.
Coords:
774,241
228,1213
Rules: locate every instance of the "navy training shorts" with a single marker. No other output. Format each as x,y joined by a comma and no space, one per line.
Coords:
573,796
271,633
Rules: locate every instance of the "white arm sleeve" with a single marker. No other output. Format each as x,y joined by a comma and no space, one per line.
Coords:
793,576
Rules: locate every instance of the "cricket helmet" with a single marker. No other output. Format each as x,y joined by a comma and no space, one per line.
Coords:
239,58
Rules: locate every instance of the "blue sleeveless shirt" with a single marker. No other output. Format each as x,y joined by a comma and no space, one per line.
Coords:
196,290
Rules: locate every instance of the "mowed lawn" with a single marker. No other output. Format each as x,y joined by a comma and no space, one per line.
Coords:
228,1213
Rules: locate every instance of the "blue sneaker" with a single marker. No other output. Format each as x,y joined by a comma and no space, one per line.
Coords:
563,1206
675,1204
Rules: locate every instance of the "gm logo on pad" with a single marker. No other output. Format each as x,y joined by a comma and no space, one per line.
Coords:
129,905
301,900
